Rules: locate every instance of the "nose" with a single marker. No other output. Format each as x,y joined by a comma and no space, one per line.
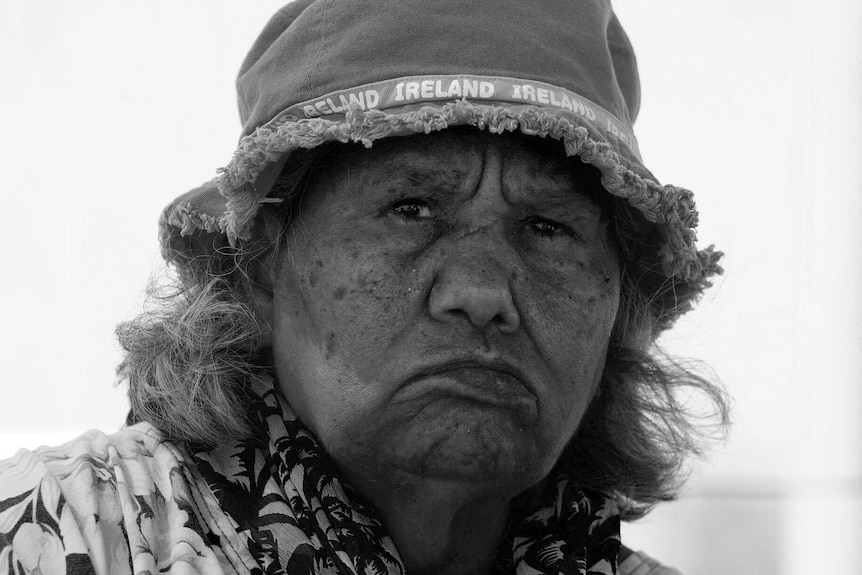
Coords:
474,287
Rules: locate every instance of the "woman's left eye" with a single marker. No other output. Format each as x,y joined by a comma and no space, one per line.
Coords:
413,210
547,228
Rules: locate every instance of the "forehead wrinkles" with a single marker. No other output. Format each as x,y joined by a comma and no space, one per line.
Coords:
532,169
424,161
538,173
528,174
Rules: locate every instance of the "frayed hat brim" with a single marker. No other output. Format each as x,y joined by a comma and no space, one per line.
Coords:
228,204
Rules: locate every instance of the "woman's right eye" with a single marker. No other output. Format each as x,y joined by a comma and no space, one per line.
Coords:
413,210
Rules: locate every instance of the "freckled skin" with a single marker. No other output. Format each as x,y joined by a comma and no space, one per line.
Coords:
338,294
373,287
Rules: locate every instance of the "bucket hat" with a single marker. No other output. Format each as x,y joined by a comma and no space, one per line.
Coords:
361,70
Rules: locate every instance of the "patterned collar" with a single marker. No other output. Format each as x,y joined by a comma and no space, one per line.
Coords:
295,514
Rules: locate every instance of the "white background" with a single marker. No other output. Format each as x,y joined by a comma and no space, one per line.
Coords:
111,108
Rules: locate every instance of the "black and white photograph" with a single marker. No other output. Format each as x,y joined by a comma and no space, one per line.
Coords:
431,287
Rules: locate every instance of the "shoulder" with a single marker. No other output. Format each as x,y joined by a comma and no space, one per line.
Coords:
87,453
99,503
91,473
639,563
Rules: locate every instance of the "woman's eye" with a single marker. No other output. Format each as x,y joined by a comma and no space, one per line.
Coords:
547,228
413,210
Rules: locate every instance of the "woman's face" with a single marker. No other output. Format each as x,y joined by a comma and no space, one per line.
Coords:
443,306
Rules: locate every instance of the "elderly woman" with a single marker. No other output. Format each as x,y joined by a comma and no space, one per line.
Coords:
415,319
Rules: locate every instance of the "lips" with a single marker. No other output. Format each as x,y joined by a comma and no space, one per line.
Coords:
494,381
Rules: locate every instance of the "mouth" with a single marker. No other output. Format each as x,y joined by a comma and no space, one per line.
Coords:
487,381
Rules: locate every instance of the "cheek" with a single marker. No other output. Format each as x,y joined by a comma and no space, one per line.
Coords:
352,299
570,313
342,324
587,285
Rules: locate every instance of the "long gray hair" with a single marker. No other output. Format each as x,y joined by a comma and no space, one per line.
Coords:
191,355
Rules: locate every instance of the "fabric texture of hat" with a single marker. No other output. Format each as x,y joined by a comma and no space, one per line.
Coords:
362,70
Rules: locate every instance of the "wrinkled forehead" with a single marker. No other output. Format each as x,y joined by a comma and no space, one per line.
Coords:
462,145
458,154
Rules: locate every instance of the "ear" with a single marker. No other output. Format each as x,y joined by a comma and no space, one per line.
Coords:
259,283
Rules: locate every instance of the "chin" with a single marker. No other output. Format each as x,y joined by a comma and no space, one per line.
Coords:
479,447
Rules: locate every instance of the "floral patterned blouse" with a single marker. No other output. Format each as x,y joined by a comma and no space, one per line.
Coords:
132,502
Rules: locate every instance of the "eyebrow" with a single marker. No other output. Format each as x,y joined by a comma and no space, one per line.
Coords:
432,176
576,191
424,174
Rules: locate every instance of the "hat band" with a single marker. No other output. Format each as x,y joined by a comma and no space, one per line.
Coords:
413,90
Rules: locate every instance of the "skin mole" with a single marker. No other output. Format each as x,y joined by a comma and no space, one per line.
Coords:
331,345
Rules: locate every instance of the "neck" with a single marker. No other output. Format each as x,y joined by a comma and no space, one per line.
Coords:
439,528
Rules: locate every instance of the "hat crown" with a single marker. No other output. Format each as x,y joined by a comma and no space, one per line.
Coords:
315,47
